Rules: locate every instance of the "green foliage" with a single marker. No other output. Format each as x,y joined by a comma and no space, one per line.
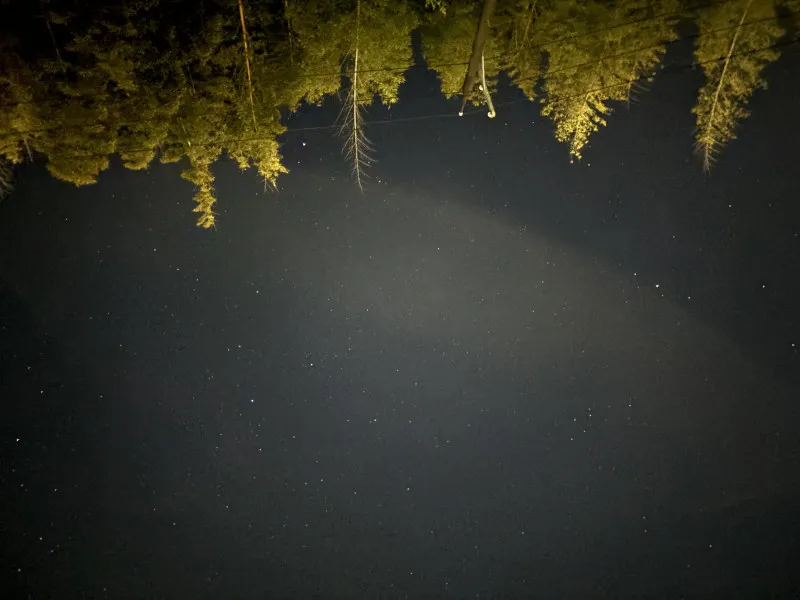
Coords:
733,49
447,43
324,38
168,79
597,52
384,48
437,5
20,121
524,41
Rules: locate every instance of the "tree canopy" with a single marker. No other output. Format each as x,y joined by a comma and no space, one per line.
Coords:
186,81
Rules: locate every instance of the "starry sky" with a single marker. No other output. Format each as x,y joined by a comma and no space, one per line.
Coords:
493,374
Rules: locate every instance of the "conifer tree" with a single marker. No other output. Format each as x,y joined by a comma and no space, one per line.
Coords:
596,52
734,46
125,78
372,39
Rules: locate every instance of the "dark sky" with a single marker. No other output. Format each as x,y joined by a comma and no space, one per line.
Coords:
495,373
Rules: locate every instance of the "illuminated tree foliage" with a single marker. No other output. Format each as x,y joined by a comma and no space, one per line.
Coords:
130,83
217,114
525,44
318,33
447,42
596,54
323,38
381,37
20,123
447,37
188,81
733,48
368,41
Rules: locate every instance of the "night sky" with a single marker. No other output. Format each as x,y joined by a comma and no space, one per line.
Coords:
495,373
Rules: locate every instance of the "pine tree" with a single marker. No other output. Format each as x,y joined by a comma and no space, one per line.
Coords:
385,52
318,39
124,78
734,46
357,145
366,36
597,51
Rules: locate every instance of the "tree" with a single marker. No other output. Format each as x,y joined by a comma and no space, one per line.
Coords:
596,52
20,121
523,48
126,79
125,83
734,46
218,115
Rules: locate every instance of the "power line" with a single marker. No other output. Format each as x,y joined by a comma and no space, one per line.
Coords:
668,70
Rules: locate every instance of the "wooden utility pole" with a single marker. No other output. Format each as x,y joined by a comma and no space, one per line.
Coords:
474,68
